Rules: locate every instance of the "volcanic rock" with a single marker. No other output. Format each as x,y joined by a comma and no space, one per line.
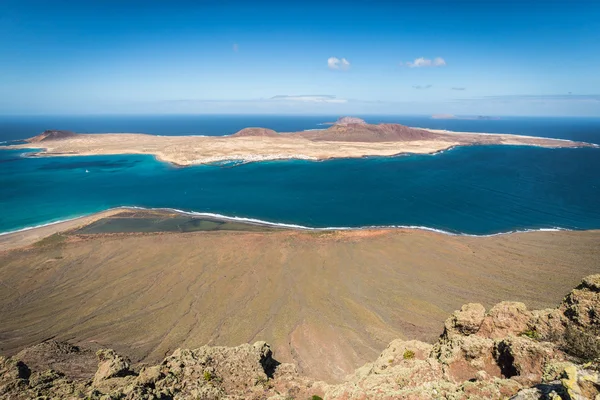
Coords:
477,357
49,135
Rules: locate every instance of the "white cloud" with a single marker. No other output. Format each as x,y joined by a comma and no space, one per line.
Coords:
336,63
439,62
425,62
310,98
419,62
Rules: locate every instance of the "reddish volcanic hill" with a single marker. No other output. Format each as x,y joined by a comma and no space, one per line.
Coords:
350,129
51,135
360,132
346,129
256,132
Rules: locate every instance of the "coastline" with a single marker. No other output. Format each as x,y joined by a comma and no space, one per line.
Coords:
201,150
24,237
258,144
29,235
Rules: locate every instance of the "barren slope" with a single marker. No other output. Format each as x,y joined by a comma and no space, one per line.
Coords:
361,132
505,352
327,301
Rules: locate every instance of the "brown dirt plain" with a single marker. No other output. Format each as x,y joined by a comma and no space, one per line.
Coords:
327,301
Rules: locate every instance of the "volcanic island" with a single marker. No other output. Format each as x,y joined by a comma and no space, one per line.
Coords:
348,137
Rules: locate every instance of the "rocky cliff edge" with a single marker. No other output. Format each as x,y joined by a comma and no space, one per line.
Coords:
505,352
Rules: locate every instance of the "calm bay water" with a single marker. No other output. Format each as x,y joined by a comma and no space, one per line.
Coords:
475,190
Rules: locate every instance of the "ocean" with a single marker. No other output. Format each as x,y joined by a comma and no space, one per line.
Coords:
478,190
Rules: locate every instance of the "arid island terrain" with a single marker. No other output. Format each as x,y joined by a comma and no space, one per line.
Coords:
153,284
347,138
148,282
505,352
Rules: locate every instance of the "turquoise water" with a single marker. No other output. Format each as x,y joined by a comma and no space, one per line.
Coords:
474,190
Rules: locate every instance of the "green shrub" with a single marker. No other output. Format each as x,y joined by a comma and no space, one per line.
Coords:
315,397
408,355
531,334
261,381
52,240
264,382
208,376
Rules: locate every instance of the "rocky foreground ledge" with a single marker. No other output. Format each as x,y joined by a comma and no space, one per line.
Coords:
506,352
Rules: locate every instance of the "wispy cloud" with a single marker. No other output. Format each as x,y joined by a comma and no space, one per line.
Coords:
425,62
319,98
561,97
582,102
593,99
236,47
422,87
458,88
337,63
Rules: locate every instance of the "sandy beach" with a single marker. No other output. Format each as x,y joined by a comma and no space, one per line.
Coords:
28,236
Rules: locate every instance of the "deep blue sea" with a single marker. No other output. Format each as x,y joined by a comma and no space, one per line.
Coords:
473,190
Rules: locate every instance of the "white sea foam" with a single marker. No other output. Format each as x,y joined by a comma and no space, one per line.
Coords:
438,152
337,228
242,159
291,226
47,224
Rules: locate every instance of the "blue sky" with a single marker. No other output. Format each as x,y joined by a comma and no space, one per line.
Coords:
309,57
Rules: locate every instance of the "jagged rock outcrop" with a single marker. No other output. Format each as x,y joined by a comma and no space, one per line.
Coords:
506,318
111,365
507,352
72,361
466,321
49,135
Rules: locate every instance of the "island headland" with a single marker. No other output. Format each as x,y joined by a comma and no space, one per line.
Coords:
348,138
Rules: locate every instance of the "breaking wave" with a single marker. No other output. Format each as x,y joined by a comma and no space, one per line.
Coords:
286,225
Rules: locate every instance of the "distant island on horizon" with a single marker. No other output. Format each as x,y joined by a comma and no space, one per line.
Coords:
348,137
465,117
